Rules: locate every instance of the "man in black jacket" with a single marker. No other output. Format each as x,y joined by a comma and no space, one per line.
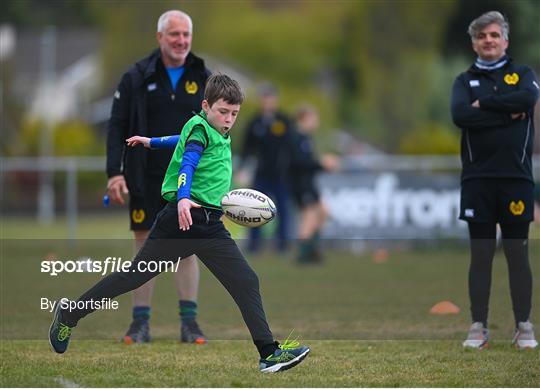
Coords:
493,104
155,97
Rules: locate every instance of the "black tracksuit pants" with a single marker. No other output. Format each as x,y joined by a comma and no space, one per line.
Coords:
212,243
516,245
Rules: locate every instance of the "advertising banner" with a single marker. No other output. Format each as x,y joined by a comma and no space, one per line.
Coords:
390,205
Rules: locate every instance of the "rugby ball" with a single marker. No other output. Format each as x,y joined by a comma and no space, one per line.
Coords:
248,207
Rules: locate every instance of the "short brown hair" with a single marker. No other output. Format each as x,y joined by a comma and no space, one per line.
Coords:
221,86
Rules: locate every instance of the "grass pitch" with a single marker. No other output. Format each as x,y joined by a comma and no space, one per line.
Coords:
233,364
367,323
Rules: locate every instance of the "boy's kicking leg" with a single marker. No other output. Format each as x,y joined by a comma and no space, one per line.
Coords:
160,250
223,258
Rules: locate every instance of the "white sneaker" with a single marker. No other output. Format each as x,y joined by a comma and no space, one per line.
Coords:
524,336
478,336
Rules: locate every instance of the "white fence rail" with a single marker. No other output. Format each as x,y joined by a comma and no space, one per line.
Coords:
71,166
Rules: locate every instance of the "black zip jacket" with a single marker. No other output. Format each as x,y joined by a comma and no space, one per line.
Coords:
492,143
271,140
144,99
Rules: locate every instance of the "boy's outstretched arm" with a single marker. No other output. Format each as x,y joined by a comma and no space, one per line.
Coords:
164,142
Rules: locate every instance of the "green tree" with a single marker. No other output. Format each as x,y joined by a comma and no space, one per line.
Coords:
396,45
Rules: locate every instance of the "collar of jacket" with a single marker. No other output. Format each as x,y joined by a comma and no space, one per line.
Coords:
147,65
474,69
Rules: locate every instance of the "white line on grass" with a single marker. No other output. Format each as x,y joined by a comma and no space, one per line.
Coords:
64,382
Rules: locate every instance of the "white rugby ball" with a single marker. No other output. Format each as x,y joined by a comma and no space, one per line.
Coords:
248,207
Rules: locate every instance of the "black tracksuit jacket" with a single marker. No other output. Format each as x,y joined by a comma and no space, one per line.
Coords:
492,143
145,104
271,140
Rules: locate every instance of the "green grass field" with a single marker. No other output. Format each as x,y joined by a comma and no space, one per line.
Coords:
367,323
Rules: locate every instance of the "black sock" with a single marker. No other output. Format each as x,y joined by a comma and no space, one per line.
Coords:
66,317
266,349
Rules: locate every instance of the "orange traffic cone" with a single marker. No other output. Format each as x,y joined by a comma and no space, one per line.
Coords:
380,256
444,308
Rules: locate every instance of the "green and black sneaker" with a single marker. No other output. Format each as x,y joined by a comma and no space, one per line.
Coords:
287,355
59,333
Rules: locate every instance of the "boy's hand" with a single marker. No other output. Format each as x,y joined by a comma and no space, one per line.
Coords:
518,116
330,162
184,213
116,187
136,140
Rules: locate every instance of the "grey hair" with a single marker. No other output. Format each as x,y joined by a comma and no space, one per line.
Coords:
485,20
164,20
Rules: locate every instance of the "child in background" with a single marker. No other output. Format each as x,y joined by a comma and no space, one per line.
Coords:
305,166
